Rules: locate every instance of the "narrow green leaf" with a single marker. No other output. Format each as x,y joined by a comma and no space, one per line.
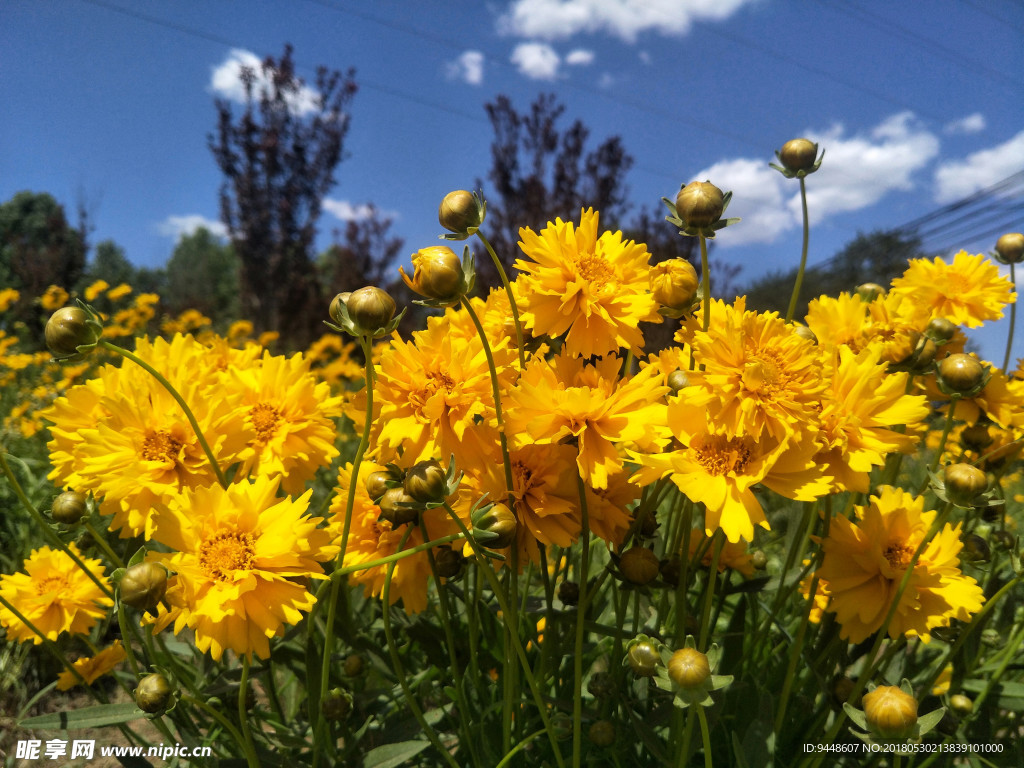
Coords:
393,755
87,717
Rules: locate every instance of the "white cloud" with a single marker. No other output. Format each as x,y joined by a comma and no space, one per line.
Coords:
226,82
607,80
580,57
344,210
645,57
958,178
557,19
857,172
469,68
538,61
970,124
180,226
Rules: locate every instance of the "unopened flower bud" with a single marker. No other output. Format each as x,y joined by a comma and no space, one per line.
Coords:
643,658
961,704
1010,247
67,330
459,211
976,437
700,204
639,565
601,685
1004,539
759,559
976,549
377,484
335,309
964,484
153,694
689,668
569,592
437,273
924,354
449,562
804,333
678,380
868,292
798,155
601,733
427,481
370,309
890,712
961,372
394,509
940,329
69,507
499,520
674,283
143,586
353,665
670,569
841,689
336,705
991,638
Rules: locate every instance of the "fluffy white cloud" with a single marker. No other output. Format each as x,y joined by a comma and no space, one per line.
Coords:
958,178
580,57
970,124
344,210
857,172
179,226
469,68
226,82
538,61
557,19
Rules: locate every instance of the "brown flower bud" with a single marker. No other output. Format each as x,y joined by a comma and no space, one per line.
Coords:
674,283
353,665
370,309
427,481
143,586
336,705
449,562
377,484
798,155
601,685
69,507
976,549
700,204
153,694
976,437
689,668
569,592
890,712
601,733
67,330
961,372
1011,247
459,211
393,509
500,520
964,484
639,565
643,658
437,273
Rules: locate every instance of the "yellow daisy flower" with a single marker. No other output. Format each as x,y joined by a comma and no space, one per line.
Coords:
865,561
8,296
967,292
242,561
594,289
120,291
54,594
91,668
95,289
53,298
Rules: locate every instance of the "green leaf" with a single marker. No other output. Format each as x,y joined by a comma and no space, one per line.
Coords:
87,717
393,755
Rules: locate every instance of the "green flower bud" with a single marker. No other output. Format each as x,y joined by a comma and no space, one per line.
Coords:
427,481
153,694
1010,247
353,665
336,705
601,685
500,520
67,330
643,658
639,565
601,733
678,380
459,211
976,549
437,274
804,333
798,155
370,309
868,292
335,308
964,484
689,668
940,330
961,704
700,204
393,507
674,283
976,437
377,484
890,712
759,559
69,507
961,372
143,586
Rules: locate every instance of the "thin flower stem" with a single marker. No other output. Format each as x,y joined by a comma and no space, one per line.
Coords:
511,299
50,646
224,723
684,747
102,542
399,668
179,399
803,256
581,612
243,714
709,595
425,547
518,748
47,529
705,274
1013,322
942,443
126,637
705,735
488,571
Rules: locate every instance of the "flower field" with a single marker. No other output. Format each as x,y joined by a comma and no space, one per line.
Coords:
520,536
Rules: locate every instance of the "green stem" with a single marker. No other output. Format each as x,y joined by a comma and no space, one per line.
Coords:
581,611
126,638
47,529
1013,323
705,735
102,542
50,646
396,662
355,568
179,399
942,443
511,299
709,595
705,274
224,723
518,748
243,715
803,256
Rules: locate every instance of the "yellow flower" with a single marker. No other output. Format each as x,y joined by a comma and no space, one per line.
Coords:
95,290
967,292
92,668
859,405
242,561
54,594
865,561
121,290
588,402
7,297
371,538
288,416
53,298
592,289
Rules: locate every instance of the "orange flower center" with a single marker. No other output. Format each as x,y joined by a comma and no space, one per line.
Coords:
226,553
720,455
594,269
760,375
439,379
898,554
264,421
160,446
51,584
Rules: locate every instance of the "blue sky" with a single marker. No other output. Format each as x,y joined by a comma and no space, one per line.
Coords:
917,105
